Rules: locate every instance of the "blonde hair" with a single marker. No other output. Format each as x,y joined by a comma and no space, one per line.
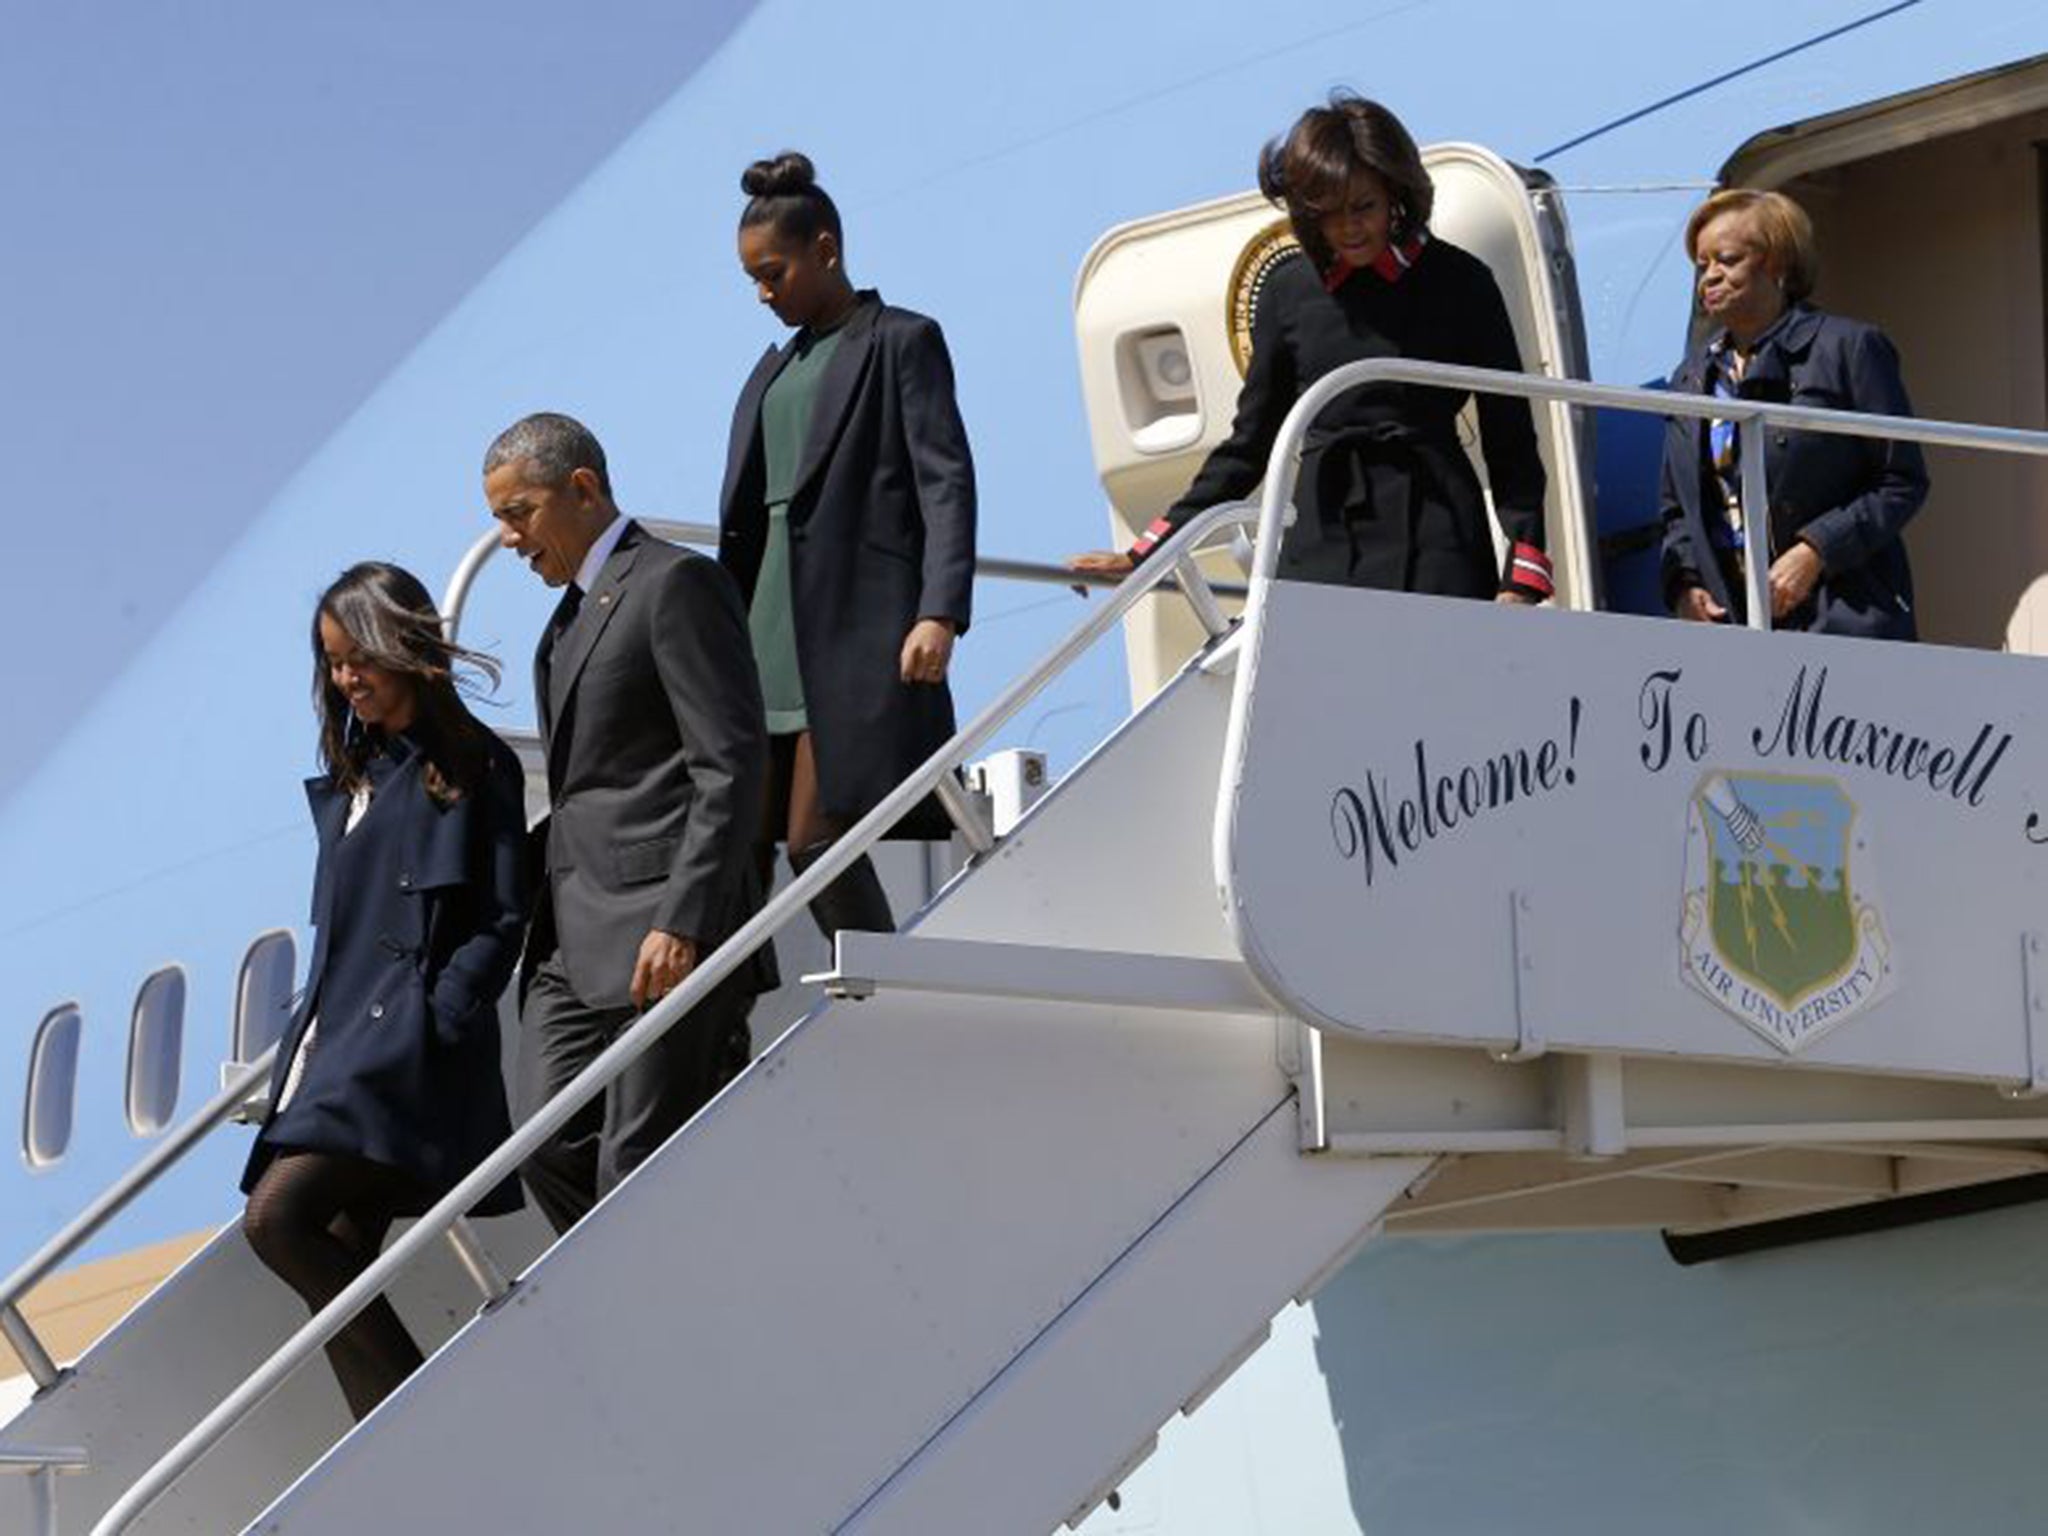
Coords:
1783,231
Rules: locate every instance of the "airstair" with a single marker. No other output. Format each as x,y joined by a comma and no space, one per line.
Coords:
1386,914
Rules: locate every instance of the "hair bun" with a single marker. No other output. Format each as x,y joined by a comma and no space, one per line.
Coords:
788,174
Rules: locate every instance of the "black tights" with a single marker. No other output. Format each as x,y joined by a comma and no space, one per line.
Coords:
317,1220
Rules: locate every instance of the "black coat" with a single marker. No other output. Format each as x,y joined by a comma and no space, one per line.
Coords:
418,916
657,757
1387,496
1849,497
881,532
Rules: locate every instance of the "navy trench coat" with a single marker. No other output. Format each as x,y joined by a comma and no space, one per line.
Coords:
417,924
1849,497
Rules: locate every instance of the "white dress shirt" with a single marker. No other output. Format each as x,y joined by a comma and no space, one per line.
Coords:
600,551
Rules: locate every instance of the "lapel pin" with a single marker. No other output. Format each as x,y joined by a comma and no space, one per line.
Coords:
604,599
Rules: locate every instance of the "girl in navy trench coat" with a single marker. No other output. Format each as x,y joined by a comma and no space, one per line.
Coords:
847,517
388,1087
1838,505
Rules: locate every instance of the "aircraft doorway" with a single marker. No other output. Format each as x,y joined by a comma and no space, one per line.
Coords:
1929,213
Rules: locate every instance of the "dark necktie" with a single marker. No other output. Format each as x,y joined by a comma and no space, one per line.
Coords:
572,603
565,615
544,663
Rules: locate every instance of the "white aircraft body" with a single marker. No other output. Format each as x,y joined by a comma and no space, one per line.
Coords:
1170,1174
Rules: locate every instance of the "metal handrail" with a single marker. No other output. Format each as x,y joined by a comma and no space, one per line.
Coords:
794,899
1749,416
1283,467
118,1196
42,1465
23,1458
15,1328
988,567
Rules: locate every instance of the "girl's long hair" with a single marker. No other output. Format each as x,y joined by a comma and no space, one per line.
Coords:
387,613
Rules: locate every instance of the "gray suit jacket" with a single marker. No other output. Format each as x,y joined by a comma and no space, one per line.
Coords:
650,714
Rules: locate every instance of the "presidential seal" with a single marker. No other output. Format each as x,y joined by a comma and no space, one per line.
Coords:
1782,925
1255,264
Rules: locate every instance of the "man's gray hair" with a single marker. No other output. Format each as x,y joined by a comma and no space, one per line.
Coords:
555,445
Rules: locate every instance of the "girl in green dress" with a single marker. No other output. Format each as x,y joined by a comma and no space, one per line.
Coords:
848,520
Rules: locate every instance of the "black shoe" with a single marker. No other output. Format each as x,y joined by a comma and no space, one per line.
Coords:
855,900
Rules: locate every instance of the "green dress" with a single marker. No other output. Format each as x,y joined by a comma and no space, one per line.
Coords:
785,427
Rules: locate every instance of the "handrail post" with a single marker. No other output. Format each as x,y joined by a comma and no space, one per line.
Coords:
41,1466
975,828
42,1501
83,1227
1194,586
477,1260
35,1359
465,576
1756,520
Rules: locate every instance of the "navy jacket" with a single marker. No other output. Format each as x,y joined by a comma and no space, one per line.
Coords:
1849,497
881,534
418,917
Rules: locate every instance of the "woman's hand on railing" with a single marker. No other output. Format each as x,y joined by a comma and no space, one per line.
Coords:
1102,562
1515,599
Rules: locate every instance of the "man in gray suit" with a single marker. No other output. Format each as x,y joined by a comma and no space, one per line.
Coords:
650,716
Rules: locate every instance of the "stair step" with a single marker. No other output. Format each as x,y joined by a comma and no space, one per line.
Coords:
872,962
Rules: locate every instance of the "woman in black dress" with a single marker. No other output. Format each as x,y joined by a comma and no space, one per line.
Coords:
848,520
388,1087
1387,496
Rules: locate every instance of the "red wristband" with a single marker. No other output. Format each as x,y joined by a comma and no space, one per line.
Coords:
1154,535
1529,571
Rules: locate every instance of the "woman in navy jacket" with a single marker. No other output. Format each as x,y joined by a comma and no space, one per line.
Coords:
388,1087
1838,505
847,517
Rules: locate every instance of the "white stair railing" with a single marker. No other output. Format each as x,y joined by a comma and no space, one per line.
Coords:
41,1466
249,1079
115,1199
1750,417
986,568
937,771
1171,564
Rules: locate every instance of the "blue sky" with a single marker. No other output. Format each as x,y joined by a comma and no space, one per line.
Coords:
227,221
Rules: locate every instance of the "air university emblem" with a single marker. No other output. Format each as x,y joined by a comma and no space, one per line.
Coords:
1781,926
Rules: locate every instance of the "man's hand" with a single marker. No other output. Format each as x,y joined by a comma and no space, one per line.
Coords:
1794,575
1516,599
1698,605
926,651
665,960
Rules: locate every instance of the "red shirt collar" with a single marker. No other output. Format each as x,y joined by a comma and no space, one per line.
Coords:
1391,264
